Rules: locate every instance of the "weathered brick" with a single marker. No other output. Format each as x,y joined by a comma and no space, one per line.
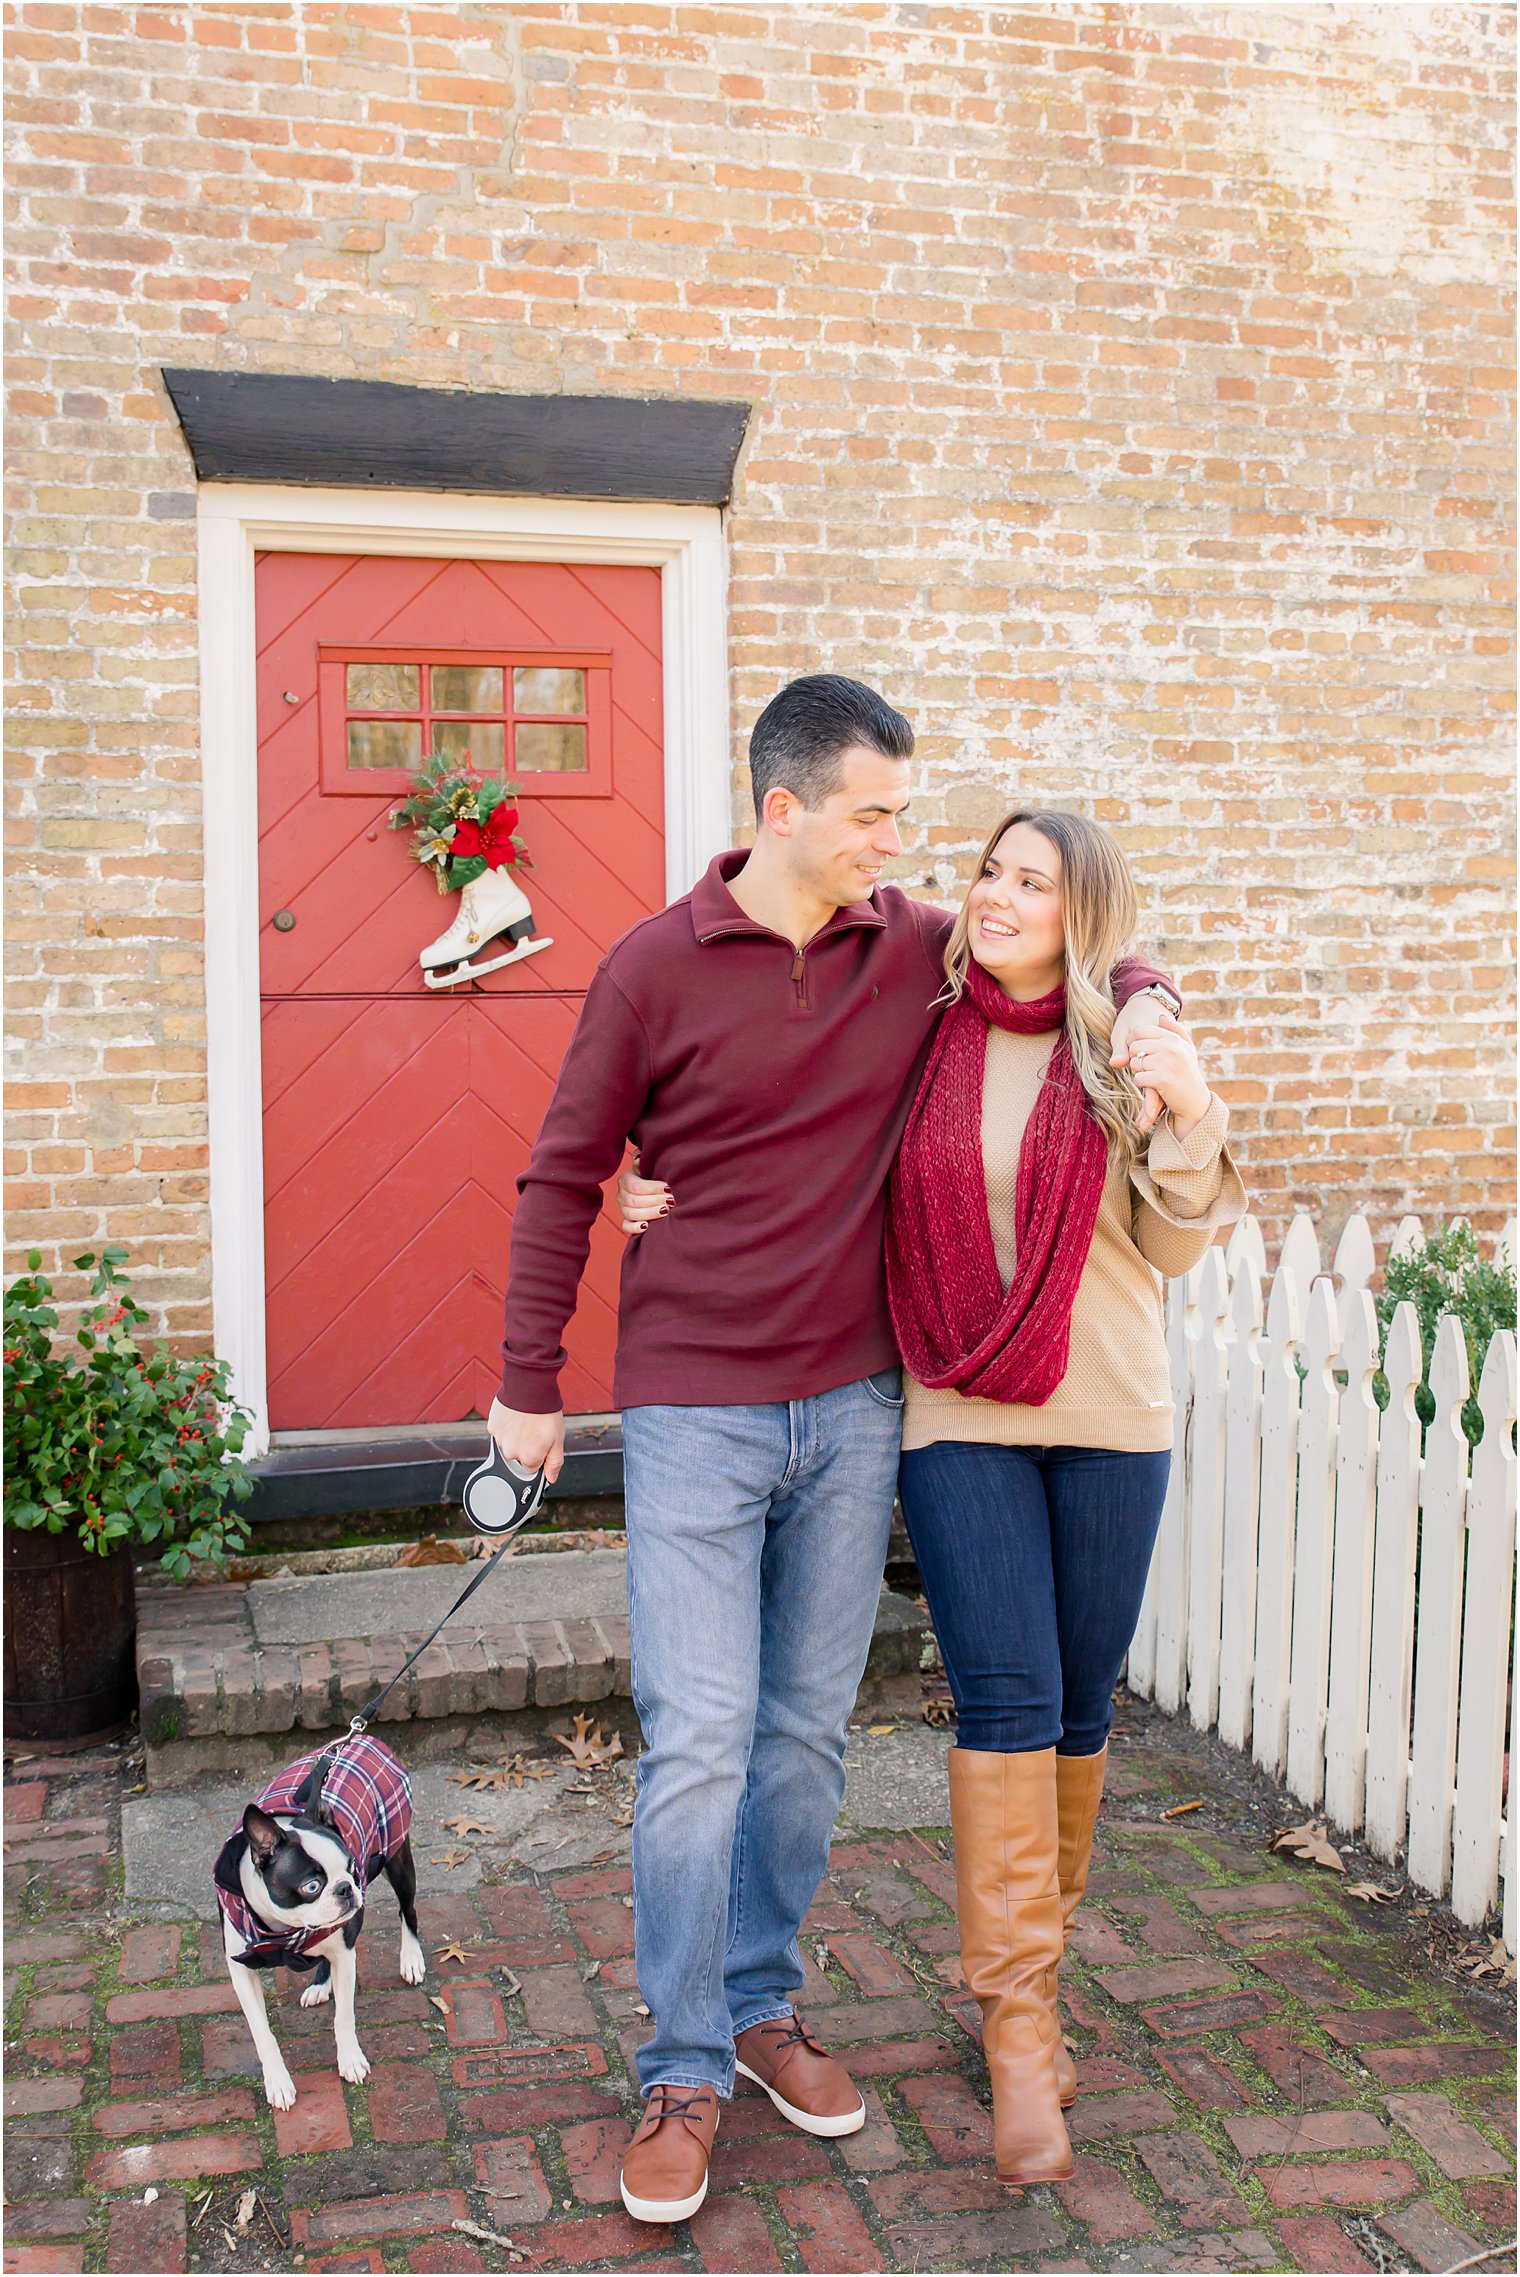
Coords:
167,2114
1258,2134
1349,2182
147,2237
732,2236
318,2118
1458,2149
1429,2239
1188,2174
150,1951
399,2215
1104,2201
404,2105
827,2229
510,2173
1318,2243
184,2159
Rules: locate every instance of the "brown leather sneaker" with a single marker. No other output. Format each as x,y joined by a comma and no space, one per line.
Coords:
807,2085
664,2177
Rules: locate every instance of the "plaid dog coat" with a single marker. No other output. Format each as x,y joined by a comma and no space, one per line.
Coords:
370,1797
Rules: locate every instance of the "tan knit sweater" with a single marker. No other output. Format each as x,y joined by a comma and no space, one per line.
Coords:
1157,1217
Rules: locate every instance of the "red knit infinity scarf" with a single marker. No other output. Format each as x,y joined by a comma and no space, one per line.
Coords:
955,1326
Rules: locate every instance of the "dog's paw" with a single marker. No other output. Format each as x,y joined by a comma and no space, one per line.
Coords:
315,1994
353,2064
413,1959
280,2089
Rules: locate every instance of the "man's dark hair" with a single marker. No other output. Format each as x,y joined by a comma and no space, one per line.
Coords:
798,740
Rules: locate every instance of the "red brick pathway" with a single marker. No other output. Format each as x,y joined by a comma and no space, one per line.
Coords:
1270,2080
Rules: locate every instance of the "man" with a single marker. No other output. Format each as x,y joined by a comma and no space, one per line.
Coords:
760,1041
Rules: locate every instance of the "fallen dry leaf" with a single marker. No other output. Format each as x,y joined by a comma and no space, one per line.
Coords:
442,2006
430,1551
509,1774
879,1731
449,1858
246,2204
1369,1894
452,1950
1310,1842
588,1745
466,1826
938,1712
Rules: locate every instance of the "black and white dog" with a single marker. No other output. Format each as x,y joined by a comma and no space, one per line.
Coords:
290,1884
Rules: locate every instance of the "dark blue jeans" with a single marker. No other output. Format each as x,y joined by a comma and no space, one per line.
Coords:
1034,1562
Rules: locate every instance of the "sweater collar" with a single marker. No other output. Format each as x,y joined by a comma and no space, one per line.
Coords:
715,913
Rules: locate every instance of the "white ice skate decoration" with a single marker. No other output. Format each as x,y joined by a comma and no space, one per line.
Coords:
491,907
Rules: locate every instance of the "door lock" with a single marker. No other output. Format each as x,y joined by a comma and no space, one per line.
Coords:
284,920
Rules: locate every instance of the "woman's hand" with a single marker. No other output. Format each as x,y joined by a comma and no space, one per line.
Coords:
1160,1056
641,1200
1138,1013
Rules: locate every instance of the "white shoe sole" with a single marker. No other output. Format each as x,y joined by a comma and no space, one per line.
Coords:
810,2122
662,2209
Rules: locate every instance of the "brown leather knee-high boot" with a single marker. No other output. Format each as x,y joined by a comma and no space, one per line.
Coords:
1008,1897
1079,1790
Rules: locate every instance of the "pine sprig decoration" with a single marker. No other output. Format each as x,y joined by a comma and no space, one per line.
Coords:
453,810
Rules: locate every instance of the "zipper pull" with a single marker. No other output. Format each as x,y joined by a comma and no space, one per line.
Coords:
797,969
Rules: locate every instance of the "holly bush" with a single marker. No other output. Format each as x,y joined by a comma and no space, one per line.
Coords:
130,1446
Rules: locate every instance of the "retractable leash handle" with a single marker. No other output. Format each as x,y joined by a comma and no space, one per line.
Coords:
500,1496
499,1499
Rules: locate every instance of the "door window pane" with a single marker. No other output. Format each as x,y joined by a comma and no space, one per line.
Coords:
467,687
548,747
549,688
484,741
385,743
382,688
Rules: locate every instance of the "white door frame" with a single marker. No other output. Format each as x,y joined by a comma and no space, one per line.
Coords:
685,543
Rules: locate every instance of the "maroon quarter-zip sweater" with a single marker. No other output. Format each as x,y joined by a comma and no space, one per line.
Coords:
768,1086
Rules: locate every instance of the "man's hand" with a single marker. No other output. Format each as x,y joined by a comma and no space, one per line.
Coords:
1140,1013
535,1442
641,1200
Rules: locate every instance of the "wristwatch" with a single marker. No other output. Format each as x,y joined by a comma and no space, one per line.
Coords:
1168,996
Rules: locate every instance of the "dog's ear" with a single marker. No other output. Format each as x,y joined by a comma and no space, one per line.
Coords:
319,1810
264,1836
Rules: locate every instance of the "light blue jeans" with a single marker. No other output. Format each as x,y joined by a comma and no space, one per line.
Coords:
756,1541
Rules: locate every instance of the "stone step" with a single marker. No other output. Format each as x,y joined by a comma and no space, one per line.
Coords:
236,1676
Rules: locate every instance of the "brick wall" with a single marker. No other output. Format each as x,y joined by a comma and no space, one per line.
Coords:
1131,403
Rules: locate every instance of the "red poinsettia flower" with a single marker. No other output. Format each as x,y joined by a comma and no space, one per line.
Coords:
490,840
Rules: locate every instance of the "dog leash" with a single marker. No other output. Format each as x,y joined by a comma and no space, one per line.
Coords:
484,1490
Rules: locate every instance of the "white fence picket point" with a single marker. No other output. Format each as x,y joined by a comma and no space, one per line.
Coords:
1205,1528
1300,1251
1507,1247
1356,1450
1407,1235
1274,1540
1246,1246
1478,1810
1443,1528
1170,1562
1313,1549
1242,1490
1395,1540
1355,1264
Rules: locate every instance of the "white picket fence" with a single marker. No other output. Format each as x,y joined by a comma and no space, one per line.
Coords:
1321,1593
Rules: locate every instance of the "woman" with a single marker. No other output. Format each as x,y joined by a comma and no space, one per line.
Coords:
1030,1216
1031,1212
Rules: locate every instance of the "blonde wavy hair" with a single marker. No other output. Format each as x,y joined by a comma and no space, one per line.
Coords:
1099,911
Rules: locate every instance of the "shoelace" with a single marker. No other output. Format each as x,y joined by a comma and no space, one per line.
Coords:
675,2102
789,2032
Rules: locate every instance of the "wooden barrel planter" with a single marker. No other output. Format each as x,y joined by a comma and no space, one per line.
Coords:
70,1630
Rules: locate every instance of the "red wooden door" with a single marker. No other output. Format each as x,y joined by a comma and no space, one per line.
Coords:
396,1117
